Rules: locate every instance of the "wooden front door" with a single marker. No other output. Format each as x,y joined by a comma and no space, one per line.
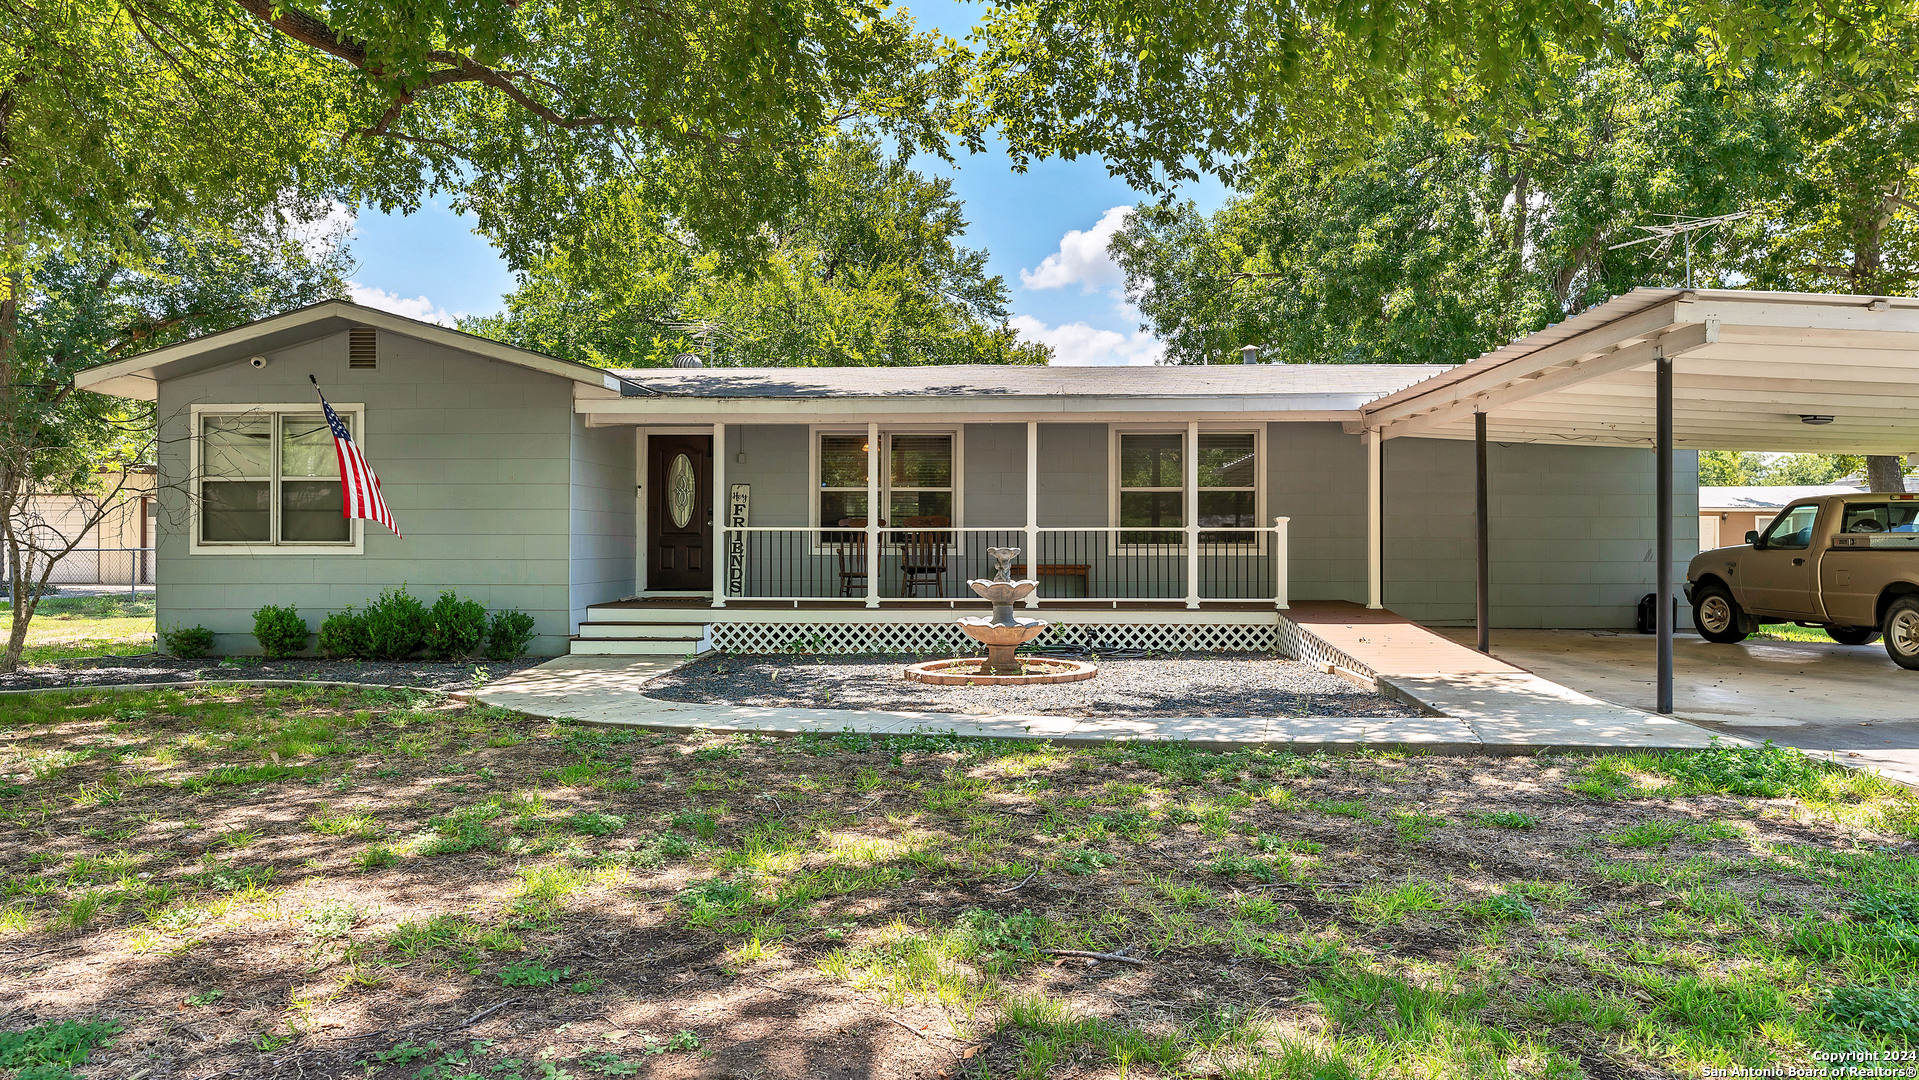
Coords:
679,513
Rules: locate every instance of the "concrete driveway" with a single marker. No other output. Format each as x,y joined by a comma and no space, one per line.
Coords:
1848,699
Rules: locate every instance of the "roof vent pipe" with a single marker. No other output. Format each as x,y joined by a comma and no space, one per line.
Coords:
1249,354
687,359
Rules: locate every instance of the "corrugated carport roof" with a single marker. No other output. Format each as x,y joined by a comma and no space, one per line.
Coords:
1747,367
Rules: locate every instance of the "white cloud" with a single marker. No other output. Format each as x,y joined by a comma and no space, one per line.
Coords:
417,307
1082,344
322,235
1081,258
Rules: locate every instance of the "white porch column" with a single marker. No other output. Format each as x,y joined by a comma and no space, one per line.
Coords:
1192,513
873,515
717,557
1375,529
1032,506
1282,561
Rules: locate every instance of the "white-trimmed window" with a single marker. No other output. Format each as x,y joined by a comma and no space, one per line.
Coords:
920,478
1150,486
267,477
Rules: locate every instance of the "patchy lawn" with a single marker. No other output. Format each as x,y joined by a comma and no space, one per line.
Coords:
318,883
65,627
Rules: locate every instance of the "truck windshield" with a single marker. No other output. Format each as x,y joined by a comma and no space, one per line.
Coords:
1792,530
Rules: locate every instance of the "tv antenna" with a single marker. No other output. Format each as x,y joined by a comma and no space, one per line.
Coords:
1680,226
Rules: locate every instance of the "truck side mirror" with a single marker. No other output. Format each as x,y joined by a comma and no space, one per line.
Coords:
1752,538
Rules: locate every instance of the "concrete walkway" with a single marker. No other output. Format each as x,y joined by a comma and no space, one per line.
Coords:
1849,701
1481,717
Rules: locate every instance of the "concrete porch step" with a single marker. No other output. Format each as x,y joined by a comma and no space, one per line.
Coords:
584,646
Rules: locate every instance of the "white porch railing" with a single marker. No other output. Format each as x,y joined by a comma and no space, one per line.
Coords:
1103,565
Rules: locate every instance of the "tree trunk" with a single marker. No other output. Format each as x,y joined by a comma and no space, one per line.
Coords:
1885,473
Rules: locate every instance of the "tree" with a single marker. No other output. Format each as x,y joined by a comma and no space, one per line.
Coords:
88,307
1439,243
869,271
1810,469
1167,90
1730,468
1849,220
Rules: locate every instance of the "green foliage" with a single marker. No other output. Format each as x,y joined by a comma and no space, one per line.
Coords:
343,636
508,634
594,823
454,628
52,1050
1505,907
187,642
280,631
1879,1010
1767,771
531,973
1730,468
869,270
395,625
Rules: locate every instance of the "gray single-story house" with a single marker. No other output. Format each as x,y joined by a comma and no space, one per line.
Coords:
666,510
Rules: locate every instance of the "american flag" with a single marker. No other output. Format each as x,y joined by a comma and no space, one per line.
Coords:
359,488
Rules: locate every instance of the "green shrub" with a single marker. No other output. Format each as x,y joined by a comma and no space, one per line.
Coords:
508,634
280,631
454,627
187,642
395,625
343,636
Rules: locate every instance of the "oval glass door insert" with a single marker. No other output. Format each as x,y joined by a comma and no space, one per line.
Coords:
680,482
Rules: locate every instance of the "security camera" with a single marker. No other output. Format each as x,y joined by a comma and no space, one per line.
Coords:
257,362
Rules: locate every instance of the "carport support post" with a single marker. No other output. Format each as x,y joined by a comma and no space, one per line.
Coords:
1662,543
1482,526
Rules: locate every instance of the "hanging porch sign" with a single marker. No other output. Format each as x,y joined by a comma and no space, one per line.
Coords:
736,508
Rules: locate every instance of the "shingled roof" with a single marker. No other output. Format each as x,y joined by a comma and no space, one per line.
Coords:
997,380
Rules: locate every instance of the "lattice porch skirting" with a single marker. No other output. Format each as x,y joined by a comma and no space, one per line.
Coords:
946,639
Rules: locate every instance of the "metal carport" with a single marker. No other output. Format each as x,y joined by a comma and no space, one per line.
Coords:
1667,369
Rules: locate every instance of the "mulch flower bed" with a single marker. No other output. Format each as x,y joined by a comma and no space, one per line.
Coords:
152,668
1178,684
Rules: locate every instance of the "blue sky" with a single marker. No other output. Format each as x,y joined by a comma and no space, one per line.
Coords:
1045,229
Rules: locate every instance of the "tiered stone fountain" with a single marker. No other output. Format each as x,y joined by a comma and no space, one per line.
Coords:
1002,632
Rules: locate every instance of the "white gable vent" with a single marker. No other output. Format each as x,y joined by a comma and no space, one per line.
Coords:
362,347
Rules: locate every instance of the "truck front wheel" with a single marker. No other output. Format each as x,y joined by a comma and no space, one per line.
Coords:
1716,615
1852,635
1902,632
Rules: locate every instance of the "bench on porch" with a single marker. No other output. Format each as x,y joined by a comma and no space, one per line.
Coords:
1082,571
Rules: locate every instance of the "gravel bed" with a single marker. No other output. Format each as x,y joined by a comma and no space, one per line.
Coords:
1179,684
124,670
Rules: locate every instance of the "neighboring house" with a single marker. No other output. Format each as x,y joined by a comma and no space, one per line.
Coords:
666,509
118,549
1727,514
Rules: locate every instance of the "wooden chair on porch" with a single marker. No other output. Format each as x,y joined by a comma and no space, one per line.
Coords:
851,548
923,553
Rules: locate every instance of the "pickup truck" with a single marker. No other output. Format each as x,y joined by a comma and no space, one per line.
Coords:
1847,563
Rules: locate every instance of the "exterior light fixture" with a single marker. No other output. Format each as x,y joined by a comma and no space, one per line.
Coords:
1814,419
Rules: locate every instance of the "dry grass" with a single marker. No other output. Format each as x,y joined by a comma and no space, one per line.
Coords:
318,883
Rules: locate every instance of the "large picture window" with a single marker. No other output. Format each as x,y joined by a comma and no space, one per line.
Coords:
270,477
919,478
1151,487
